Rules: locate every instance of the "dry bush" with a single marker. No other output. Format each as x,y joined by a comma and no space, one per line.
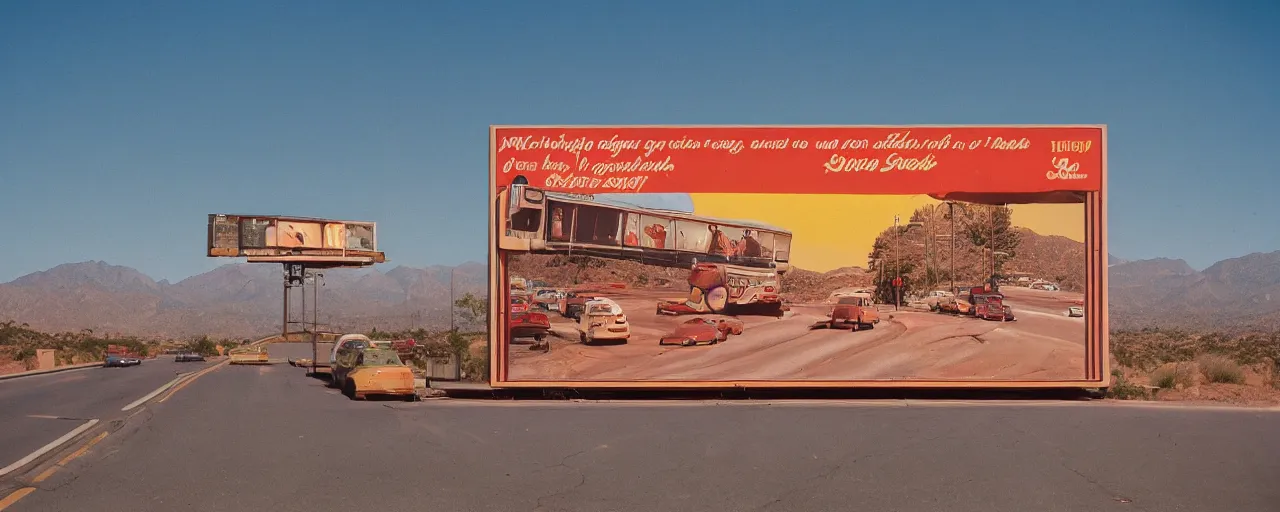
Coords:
1173,375
1217,368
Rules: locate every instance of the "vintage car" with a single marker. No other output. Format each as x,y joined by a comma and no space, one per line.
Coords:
698,331
855,311
547,298
954,306
188,357
571,304
360,372
519,305
988,306
602,319
1075,311
530,324
348,342
120,361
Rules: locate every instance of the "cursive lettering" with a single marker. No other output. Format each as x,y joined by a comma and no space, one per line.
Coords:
1010,145
561,143
898,163
637,165
838,163
519,165
770,144
1064,169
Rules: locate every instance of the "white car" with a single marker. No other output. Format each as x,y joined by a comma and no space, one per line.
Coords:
1075,311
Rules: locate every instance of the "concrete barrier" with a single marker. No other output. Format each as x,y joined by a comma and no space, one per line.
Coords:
50,370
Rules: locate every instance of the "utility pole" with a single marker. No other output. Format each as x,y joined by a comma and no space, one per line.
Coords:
897,264
951,210
452,314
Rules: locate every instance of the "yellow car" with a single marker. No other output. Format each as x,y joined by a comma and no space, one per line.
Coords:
360,372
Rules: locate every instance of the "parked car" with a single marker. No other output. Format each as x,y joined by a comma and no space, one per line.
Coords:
697,331
988,306
188,357
1075,311
602,319
360,372
954,306
571,304
530,324
114,361
855,311
519,305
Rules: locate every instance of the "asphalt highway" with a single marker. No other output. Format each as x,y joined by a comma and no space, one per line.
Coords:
42,408
269,438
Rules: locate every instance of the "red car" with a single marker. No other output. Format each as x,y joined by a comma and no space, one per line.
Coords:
530,324
697,331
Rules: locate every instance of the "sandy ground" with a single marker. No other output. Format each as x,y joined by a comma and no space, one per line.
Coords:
1042,344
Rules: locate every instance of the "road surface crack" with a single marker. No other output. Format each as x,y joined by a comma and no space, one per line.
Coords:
1110,493
564,462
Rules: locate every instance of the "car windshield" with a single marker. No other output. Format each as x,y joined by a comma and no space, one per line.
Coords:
381,357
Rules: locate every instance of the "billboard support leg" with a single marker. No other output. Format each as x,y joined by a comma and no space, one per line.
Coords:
284,322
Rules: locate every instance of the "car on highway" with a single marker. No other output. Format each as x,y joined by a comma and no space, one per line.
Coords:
1075,311
700,330
530,324
854,311
603,319
371,370
188,357
115,361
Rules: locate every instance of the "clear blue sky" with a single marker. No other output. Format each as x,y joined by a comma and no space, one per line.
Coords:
122,123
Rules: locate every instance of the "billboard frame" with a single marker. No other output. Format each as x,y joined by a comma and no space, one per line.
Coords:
313,256
1097,367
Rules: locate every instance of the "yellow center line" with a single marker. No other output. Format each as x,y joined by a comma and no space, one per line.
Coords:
82,449
15,496
185,383
44,475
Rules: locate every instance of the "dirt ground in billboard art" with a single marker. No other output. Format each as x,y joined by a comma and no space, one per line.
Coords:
912,342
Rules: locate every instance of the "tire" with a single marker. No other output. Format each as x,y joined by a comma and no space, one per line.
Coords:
582,337
349,389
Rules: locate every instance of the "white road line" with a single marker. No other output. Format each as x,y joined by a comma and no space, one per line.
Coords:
153,394
48,447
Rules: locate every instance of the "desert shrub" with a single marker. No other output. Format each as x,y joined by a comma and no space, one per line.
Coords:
1122,389
1220,369
1173,375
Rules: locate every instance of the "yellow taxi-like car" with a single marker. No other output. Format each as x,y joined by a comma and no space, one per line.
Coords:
360,372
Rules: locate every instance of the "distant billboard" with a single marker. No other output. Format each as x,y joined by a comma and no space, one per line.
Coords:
237,236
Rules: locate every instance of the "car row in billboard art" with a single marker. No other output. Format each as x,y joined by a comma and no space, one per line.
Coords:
694,262
262,236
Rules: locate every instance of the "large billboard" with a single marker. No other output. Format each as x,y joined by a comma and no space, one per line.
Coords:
276,236
795,256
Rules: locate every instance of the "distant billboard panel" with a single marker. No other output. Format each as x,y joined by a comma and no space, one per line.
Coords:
262,236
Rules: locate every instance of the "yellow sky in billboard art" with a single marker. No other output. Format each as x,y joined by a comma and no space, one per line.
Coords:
833,231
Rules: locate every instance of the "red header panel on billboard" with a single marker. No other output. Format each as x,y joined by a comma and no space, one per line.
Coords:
802,160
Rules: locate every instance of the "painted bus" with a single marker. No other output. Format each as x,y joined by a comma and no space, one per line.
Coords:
734,265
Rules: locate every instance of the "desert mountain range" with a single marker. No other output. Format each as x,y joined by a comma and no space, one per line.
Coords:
243,300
